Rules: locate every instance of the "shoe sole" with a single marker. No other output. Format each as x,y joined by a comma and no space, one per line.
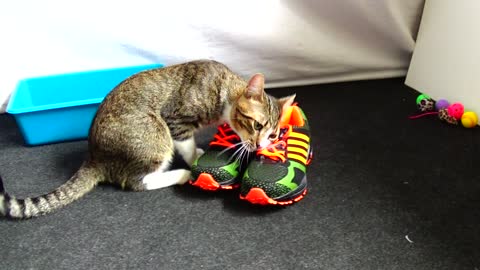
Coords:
259,196
206,181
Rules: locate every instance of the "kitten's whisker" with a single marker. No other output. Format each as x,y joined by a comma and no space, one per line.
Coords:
239,158
228,148
237,152
242,156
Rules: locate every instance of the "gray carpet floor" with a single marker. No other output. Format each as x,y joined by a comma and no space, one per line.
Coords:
376,178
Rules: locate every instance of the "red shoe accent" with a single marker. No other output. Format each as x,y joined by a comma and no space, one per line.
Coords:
310,157
206,181
258,196
301,196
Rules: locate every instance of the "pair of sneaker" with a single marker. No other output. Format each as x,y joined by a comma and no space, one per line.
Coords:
275,174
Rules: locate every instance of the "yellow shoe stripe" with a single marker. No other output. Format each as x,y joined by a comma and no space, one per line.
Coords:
297,157
300,143
299,135
298,150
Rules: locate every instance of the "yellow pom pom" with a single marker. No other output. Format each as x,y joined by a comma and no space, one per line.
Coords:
469,119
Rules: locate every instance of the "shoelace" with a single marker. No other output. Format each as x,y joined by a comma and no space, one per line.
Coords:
222,139
276,150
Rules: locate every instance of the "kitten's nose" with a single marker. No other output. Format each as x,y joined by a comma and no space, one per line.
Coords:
263,143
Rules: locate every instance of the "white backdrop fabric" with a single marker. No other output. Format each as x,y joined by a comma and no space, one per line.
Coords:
291,42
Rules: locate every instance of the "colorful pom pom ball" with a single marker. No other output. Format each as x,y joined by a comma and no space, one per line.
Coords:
441,104
444,116
425,103
456,110
469,119
420,97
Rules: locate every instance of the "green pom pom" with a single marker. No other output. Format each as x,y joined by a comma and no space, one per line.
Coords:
420,97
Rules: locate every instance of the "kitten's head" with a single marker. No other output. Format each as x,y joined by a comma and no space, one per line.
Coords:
255,115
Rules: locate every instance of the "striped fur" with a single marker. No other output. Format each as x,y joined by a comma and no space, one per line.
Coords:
135,127
81,183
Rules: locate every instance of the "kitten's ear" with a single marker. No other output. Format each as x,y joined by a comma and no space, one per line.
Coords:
255,87
286,102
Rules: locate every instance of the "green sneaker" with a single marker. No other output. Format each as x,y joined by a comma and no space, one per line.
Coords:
277,175
217,168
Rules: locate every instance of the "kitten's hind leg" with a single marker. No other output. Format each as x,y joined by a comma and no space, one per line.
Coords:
144,152
188,150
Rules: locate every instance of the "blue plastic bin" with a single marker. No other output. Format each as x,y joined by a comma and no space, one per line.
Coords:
61,107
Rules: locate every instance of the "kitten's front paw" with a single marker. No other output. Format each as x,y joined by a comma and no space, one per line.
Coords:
184,178
199,152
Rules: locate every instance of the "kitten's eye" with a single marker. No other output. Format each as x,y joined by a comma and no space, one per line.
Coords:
257,125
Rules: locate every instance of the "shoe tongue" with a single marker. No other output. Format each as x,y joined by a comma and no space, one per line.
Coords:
292,116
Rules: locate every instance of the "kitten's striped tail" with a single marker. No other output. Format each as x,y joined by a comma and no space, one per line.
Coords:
80,184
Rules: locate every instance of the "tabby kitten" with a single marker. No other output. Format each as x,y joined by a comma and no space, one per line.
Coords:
143,119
